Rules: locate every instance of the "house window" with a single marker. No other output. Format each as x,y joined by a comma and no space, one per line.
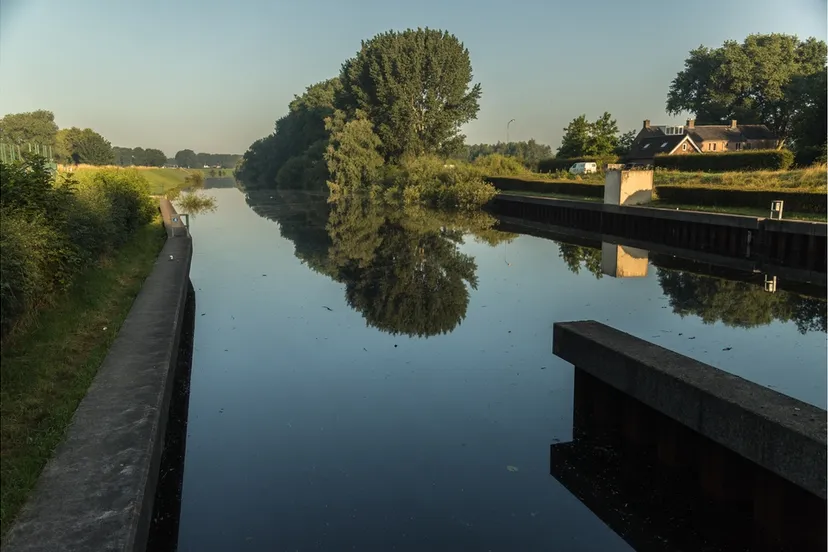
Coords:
711,146
684,147
645,146
737,146
747,145
664,145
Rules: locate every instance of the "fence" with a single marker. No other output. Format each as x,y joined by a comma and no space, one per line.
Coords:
9,153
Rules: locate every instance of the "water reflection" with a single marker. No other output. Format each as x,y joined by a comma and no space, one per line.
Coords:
401,265
736,303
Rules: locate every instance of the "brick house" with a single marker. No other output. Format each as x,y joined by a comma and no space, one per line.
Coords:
699,139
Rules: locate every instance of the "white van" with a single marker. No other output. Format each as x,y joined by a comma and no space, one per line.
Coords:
583,168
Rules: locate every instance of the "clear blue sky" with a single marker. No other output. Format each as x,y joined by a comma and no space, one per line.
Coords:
213,75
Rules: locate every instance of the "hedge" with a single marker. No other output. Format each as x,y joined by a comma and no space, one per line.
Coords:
53,228
756,160
547,186
555,164
802,202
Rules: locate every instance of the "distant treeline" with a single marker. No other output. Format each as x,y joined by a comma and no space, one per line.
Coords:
149,157
529,153
191,160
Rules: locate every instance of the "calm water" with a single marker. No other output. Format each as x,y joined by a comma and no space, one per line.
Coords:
370,380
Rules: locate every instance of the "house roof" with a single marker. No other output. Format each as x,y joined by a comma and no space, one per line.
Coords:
723,133
649,147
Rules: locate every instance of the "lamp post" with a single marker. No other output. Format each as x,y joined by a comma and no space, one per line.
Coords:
507,129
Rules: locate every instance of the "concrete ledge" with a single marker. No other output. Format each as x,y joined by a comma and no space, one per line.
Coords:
97,491
796,227
784,435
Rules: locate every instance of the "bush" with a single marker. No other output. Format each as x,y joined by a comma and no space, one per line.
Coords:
53,227
430,180
811,155
563,164
795,201
540,186
499,165
757,160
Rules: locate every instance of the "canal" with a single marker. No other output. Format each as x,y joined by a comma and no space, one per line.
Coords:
374,378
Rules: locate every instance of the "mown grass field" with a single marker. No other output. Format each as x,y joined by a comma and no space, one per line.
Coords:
47,366
161,180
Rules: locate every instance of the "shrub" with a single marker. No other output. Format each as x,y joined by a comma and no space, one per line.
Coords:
430,180
757,160
499,165
52,228
799,201
563,164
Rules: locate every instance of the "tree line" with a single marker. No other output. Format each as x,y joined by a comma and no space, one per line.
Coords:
771,79
189,159
85,146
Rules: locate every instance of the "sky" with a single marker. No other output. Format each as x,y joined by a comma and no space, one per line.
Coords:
214,75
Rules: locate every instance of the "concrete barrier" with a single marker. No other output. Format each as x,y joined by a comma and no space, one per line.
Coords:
785,436
97,491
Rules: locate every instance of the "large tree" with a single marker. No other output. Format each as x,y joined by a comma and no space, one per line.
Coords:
809,127
603,138
186,159
576,138
415,87
36,127
752,82
83,146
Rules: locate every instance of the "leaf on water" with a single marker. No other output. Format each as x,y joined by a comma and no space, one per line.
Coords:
512,468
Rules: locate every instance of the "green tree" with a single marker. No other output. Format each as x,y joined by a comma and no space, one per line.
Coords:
603,136
753,82
809,127
186,159
36,127
625,142
576,139
154,157
83,146
414,86
352,154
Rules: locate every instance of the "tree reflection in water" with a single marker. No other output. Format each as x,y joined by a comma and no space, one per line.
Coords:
401,264
734,303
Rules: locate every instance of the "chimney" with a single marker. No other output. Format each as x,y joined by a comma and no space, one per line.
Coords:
733,123
691,124
646,123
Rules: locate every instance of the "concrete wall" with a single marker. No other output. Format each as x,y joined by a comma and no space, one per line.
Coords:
628,187
783,435
97,491
620,261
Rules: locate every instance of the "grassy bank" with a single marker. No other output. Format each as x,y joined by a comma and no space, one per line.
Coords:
47,367
811,178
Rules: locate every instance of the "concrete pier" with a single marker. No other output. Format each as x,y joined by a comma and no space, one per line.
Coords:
746,447
97,492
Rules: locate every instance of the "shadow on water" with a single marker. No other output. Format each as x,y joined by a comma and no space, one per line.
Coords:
401,265
166,514
650,481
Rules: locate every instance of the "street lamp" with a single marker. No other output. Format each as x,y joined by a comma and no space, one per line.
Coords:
507,129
